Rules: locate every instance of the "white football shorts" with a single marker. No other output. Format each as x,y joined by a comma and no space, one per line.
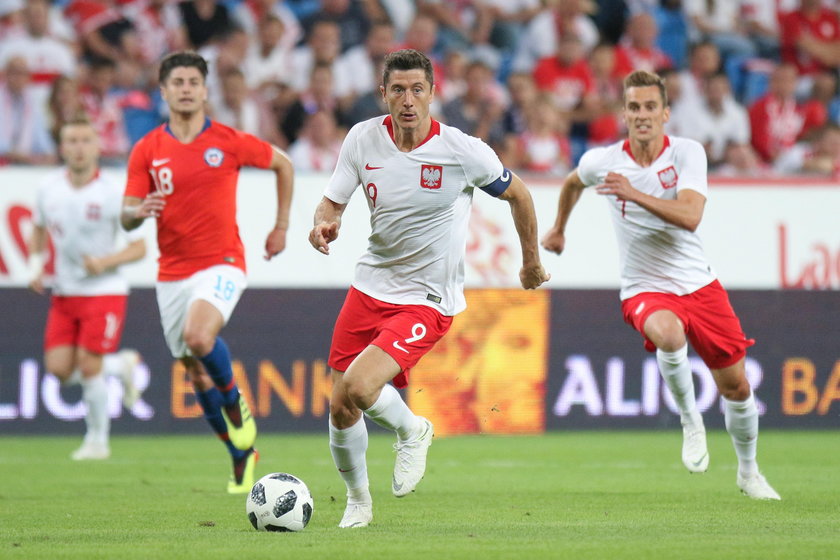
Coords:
220,285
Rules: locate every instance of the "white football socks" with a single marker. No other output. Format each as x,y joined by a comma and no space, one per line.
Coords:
742,424
112,365
676,372
391,412
95,395
348,448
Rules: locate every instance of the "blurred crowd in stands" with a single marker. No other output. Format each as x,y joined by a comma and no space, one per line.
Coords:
755,81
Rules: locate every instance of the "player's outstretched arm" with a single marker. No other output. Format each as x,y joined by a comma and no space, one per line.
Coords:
555,239
285,172
326,224
36,246
134,251
532,273
135,210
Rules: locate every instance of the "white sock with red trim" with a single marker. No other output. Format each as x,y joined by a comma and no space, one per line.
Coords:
348,448
391,412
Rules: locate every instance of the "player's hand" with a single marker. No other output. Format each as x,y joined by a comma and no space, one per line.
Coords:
37,284
275,242
93,266
151,207
322,235
616,184
554,241
532,276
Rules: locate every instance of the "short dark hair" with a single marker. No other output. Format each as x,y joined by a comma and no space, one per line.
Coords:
642,78
181,58
407,59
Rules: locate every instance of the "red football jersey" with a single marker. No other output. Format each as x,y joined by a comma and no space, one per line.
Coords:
197,229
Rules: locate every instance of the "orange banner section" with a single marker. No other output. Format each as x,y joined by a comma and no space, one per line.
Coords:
488,374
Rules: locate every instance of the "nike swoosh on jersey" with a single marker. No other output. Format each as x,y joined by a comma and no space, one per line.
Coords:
370,167
156,162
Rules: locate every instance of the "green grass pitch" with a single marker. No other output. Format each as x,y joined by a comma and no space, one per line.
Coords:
581,495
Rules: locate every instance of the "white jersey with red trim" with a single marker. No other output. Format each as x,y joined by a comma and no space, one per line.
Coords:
655,256
82,221
420,208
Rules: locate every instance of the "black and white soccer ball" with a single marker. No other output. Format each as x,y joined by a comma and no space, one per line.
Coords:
279,502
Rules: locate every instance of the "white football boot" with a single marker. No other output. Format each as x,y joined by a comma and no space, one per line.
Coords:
357,515
755,486
411,460
90,451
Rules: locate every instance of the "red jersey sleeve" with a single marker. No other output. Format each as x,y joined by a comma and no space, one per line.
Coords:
139,182
251,151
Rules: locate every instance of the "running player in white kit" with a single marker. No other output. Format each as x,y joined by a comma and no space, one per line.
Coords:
81,211
656,188
418,176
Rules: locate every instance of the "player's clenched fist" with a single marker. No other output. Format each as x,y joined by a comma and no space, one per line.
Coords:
322,235
533,276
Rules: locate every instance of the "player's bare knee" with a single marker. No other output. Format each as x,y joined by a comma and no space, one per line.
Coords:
343,415
62,371
199,341
359,390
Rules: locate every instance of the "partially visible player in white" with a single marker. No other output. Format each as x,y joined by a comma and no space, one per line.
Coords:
80,209
418,176
656,188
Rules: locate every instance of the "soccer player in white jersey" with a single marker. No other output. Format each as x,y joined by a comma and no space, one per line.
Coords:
418,176
656,189
81,211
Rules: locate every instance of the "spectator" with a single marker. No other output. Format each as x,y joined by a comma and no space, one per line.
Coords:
544,32
811,38
64,104
567,77
368,105
544,148
777,120
323,46
478,111
47,58
206,21
268,60
462,23
719,121
508,21
720,23
104,107
24,136
319,96
357,66
352,18
704,61
236,108
228,51
818,157
102,31
606,125
761,20
638,50
251,13
318,145
160,30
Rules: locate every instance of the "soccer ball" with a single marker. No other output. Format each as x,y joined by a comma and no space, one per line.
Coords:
279,502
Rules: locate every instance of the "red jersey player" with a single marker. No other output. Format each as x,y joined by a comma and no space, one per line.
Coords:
184,175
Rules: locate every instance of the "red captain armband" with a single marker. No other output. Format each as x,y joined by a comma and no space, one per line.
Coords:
500,185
